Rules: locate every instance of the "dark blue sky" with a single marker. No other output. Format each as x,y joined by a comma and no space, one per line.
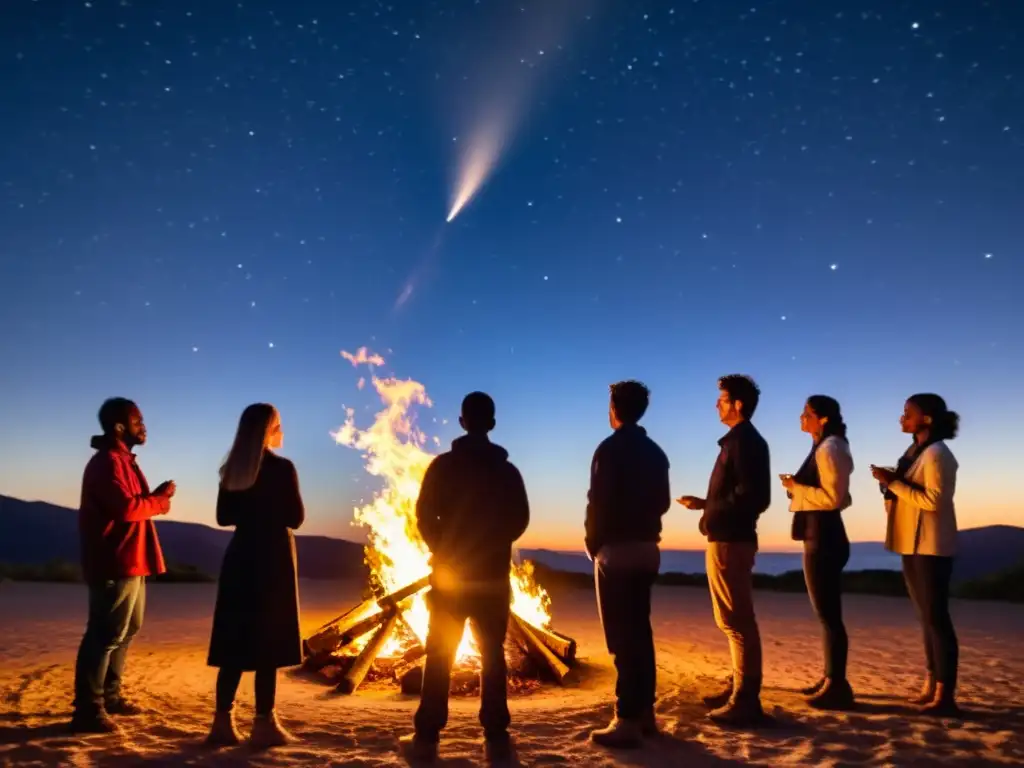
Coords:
201,204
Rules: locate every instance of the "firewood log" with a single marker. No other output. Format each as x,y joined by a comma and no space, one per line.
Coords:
411,679
540,652
357,672
563,647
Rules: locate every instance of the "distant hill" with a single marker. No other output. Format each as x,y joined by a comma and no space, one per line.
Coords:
982,552
35,532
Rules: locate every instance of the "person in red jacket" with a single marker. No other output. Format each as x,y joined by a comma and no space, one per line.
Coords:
120,549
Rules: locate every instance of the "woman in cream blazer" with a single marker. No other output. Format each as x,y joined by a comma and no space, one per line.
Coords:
922,528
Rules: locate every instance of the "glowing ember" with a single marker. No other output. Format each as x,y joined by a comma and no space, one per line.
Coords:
395,450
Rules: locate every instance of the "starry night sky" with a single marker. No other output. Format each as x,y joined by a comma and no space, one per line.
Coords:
203,203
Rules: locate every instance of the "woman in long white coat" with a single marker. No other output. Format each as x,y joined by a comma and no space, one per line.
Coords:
922,528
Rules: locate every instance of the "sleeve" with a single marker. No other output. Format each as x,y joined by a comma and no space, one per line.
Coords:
598,500
518,509
834,476
227,508
292,506
936,487
429,507
110,487
665,488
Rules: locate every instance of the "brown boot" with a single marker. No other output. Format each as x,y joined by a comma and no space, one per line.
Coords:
720,699
943,704
835,694
223,732
268,732
649,724
927,695
620,734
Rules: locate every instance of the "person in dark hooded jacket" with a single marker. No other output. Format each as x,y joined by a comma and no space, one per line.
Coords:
472,507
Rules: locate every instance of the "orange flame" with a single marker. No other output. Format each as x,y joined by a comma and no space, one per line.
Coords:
394,450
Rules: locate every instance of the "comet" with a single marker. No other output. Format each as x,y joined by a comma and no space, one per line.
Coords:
485,147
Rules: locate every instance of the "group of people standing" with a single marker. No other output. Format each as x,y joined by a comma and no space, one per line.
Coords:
472,508
629,495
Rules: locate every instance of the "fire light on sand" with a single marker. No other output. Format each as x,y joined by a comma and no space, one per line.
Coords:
396,451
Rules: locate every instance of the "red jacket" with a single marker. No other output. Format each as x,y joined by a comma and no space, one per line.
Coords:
115,523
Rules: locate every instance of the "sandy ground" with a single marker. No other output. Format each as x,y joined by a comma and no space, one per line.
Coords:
40,625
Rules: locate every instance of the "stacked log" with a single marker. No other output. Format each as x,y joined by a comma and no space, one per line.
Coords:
553,653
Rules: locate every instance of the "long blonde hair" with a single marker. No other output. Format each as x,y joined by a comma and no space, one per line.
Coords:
241,467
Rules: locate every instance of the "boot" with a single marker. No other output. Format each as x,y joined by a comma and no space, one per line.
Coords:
720,699
834,694
499,750
417,749
649,725
927,695
743,709
814,690
92,721
223,732
123,707
621,733
268,732
943,704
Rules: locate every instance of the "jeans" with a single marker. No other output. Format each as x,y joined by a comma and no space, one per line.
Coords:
730,568
823,573
927,578
448,614
116,609
624,604
228,679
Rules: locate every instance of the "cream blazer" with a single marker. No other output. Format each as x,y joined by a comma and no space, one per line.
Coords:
922,519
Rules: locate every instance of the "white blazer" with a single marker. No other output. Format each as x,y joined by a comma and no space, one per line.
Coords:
835,465
922,519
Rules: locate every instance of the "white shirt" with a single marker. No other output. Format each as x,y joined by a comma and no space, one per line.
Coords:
835,465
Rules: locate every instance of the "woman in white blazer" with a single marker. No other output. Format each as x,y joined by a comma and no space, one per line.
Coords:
922,528
819,492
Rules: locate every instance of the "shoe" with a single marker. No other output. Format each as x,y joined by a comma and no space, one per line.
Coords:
649,725
267,732
93,722
720,699
620,734
123,707
835,695
814,690
415,748
740,712
499,750
223,732
927,695
943,704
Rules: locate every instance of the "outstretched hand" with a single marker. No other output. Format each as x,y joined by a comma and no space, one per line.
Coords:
691,502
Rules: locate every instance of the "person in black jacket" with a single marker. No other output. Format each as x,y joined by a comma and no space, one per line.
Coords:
472,507
256,620
629,493
738,492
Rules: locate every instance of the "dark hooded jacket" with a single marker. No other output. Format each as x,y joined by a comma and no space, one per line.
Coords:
472,507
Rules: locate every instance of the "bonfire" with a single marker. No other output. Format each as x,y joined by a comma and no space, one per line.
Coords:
385,635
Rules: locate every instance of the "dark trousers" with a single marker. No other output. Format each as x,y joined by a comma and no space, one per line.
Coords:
228,679
624,603
823,573
448,614
927,578
116,609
